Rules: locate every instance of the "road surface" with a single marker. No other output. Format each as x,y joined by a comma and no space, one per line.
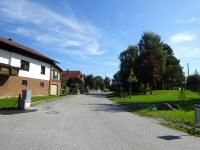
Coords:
87,122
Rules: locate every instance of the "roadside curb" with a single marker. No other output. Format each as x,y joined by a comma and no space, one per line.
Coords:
51,99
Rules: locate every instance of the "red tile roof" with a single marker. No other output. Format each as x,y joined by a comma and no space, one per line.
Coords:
11,45
66,75
8,44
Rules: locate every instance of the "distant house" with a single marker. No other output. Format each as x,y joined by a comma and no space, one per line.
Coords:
73,80
66,75
24,68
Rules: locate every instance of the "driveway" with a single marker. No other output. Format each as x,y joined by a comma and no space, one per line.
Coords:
87,122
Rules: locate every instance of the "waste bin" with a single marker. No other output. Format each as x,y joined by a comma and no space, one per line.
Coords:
197,114
26,99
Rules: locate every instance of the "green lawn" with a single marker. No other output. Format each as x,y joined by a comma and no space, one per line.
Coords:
41,98
13,101
154,105
8,103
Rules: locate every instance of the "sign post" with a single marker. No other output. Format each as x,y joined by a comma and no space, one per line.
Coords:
197,115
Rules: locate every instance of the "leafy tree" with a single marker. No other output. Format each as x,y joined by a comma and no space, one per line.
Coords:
73,85
147,70
193,82
89,81
116,82
153,64
107,83
151,61
167,49
98,82
173,75
127,59
151,43
132,78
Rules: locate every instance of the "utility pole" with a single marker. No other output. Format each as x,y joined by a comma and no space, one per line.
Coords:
196,72
188,69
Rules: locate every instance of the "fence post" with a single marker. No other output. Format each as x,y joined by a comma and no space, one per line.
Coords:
197,115
19,101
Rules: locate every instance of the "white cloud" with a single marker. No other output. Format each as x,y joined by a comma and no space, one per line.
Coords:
26,32
68,33
187,21
188,52
182,37
186,47
38,36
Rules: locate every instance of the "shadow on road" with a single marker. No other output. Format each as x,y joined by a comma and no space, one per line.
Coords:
107,108
52,112
99,95
171,137
15,111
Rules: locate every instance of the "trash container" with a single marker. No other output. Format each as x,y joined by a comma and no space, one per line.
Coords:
26,99
197,114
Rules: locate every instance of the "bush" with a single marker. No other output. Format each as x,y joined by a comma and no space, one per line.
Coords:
182,94
106,90
193,82
142,88
74,88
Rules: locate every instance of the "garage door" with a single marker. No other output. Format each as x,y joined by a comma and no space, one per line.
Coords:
54,89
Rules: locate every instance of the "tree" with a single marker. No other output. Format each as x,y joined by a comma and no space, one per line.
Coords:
98,82
107,83
132,78
147,70
151,60
116,82
75,84
153,63
193,82
173,75
89,81
127,59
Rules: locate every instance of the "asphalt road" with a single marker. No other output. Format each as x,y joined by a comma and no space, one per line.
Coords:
87,123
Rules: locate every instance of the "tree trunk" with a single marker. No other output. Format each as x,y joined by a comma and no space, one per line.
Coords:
151,91
130,89
150,88
163,84
145,89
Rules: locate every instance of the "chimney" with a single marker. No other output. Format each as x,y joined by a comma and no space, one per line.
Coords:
11,40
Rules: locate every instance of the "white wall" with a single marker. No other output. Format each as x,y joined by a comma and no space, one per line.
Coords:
4,57
34,68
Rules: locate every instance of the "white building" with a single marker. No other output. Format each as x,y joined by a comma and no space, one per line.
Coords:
24,68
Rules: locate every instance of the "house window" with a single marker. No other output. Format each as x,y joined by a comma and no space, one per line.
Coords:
55,75
42,69
52,74
41,84
25,65
58,76
24,82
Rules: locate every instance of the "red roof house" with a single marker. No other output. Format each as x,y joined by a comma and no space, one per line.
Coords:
66,75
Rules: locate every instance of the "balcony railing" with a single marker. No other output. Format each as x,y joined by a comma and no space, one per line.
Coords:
4,71
8,70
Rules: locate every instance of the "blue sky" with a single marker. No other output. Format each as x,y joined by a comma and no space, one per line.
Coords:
88,35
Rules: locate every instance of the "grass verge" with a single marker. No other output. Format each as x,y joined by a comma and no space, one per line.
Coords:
12,103
163,104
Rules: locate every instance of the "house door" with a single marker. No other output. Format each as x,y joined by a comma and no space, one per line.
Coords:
54,89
